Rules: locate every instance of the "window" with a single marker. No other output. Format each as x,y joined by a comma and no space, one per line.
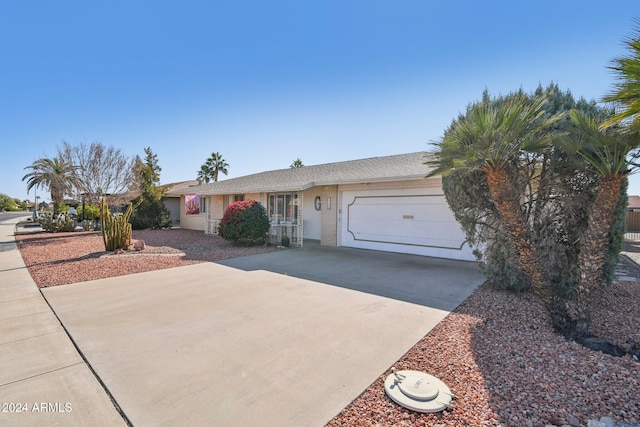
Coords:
192,204
283,208
238,197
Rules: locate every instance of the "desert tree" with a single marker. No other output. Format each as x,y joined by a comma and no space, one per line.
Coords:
612,154
556,192
102,171
488,141
56,175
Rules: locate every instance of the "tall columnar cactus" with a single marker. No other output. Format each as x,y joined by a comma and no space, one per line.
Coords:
116,229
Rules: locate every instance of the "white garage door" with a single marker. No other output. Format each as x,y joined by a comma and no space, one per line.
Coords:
401,222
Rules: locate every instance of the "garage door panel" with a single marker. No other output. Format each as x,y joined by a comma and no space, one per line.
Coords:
399,222
425,233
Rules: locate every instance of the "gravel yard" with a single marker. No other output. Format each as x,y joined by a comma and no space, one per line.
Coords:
63,258
496,351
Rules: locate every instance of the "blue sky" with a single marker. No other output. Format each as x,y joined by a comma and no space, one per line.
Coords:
264,83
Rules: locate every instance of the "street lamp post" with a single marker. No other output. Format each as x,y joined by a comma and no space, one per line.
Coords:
82,219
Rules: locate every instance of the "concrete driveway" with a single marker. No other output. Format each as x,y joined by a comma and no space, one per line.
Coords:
211,344
432,282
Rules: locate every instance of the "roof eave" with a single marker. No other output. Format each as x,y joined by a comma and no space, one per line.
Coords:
383,179
253,190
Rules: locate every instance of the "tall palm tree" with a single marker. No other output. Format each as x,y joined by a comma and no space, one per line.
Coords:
212,168
297,163
488,139
607,151
54,174
204,174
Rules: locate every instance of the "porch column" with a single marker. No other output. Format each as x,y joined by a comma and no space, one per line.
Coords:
329,216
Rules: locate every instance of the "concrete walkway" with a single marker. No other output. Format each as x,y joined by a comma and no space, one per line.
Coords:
215,345
43,379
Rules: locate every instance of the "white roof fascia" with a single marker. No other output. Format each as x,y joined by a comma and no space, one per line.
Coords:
384,179
254,190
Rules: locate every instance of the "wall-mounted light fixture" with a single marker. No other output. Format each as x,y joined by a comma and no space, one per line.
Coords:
328,203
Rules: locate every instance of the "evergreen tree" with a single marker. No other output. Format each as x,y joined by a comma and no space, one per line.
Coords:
151,212
297,163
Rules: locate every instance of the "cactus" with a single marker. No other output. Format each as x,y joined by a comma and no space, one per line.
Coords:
116,229
63,222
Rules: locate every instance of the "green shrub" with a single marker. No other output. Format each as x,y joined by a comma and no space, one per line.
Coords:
88,212
61,222
501,266
245,220
616,234
151,213
90,225
7,203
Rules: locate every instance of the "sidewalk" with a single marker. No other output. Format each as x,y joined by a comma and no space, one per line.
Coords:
43,379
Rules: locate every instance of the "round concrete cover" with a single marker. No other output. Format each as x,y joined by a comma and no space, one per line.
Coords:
418,391
418,386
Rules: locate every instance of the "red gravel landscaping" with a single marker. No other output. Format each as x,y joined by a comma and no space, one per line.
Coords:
62,258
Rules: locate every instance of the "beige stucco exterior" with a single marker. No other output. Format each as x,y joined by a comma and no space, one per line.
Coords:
216,206
379,203
320,224
329,222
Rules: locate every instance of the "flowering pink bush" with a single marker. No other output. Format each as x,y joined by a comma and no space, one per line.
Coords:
245,220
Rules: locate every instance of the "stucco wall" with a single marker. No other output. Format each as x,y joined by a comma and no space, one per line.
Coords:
216,207
258,197
329,215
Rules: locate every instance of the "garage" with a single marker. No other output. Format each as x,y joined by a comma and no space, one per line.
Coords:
382,203
406,220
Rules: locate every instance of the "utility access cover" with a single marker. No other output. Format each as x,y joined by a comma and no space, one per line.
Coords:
418,391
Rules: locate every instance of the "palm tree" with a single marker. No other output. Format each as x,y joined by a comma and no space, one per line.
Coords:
204,174
606,150
297,163
54,174
626,91
488,139
212,167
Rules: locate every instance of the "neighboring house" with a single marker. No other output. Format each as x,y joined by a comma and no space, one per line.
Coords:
380,203
634,204
633,214
173,194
